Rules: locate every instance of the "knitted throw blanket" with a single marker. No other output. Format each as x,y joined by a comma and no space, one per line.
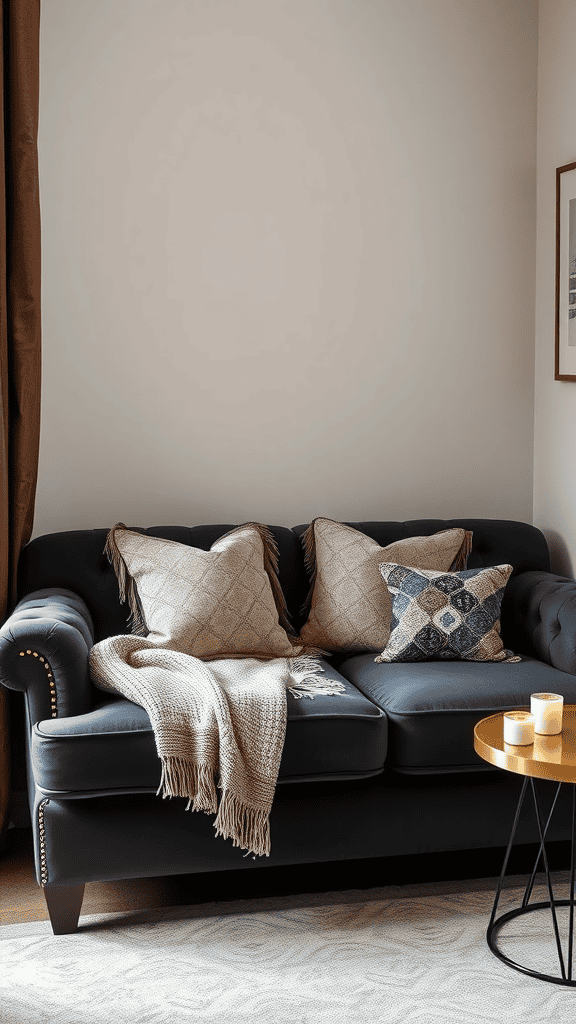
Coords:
217,724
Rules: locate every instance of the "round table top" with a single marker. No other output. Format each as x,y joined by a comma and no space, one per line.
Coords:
549,757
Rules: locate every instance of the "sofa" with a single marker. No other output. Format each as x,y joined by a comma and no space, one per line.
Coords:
383,770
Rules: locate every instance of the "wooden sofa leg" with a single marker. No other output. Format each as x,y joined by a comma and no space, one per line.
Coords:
64,903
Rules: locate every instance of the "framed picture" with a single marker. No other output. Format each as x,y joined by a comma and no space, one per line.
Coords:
565,363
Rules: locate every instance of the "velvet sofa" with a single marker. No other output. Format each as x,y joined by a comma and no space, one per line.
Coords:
385,769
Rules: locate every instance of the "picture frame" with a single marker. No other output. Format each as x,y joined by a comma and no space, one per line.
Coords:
565,349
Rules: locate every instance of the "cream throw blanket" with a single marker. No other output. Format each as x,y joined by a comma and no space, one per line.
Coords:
218,723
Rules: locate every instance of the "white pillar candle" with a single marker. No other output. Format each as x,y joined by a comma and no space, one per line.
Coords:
518,728
547,709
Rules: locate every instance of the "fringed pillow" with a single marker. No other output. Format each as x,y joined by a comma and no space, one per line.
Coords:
350,607
439,615
226,602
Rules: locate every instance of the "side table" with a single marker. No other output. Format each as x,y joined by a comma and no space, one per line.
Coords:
552,758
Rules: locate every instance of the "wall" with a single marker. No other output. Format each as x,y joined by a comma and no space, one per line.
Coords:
555,401
288,260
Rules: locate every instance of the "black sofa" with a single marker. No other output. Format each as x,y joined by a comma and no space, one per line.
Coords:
387,769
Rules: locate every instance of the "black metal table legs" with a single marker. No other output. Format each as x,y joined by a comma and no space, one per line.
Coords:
565,963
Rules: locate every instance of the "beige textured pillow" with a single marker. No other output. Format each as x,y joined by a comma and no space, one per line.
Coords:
350,607
226,602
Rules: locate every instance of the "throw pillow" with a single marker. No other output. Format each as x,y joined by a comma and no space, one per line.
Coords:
452,615
226,602
350,608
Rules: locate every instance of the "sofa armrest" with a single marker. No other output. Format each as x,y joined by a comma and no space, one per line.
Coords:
44,647
539,618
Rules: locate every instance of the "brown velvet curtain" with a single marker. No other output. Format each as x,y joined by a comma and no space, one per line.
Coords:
19,307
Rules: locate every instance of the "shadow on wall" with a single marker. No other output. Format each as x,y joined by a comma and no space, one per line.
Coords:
560,561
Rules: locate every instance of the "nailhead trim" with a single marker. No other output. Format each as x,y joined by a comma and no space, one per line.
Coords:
42,832
49,677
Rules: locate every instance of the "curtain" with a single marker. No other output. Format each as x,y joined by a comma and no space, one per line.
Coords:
19,308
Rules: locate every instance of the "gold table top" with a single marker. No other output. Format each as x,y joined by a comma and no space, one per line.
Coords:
549,757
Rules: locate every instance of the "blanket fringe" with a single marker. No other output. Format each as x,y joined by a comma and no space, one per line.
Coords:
247,827
181,777
304,680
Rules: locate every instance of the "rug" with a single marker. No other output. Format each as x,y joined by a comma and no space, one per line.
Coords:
396,955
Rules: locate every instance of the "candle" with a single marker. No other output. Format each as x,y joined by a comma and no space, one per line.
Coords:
518,728
547,709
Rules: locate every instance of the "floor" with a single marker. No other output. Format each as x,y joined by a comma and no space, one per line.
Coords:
387,955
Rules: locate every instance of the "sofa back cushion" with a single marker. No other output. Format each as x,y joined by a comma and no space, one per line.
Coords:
75,560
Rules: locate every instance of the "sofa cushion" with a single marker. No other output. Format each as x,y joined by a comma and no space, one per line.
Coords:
350,605
452,615
209,604
433,706
112,750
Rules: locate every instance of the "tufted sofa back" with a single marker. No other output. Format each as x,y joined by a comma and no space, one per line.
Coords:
75,561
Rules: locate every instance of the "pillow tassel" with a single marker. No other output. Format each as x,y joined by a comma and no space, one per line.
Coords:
308,540
271,568
461,561
126,583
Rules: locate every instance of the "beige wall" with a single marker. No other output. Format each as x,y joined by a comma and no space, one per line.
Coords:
288,260
555,401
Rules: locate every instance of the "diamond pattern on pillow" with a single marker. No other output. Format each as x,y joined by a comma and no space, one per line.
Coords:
438,615
210,604
350,609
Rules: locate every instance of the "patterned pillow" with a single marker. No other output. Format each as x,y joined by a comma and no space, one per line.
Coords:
452,615
350,609
226,602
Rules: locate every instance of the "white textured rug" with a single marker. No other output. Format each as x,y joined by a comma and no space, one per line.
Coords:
398,955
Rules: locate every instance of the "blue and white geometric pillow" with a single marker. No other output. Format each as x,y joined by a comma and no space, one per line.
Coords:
452,615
